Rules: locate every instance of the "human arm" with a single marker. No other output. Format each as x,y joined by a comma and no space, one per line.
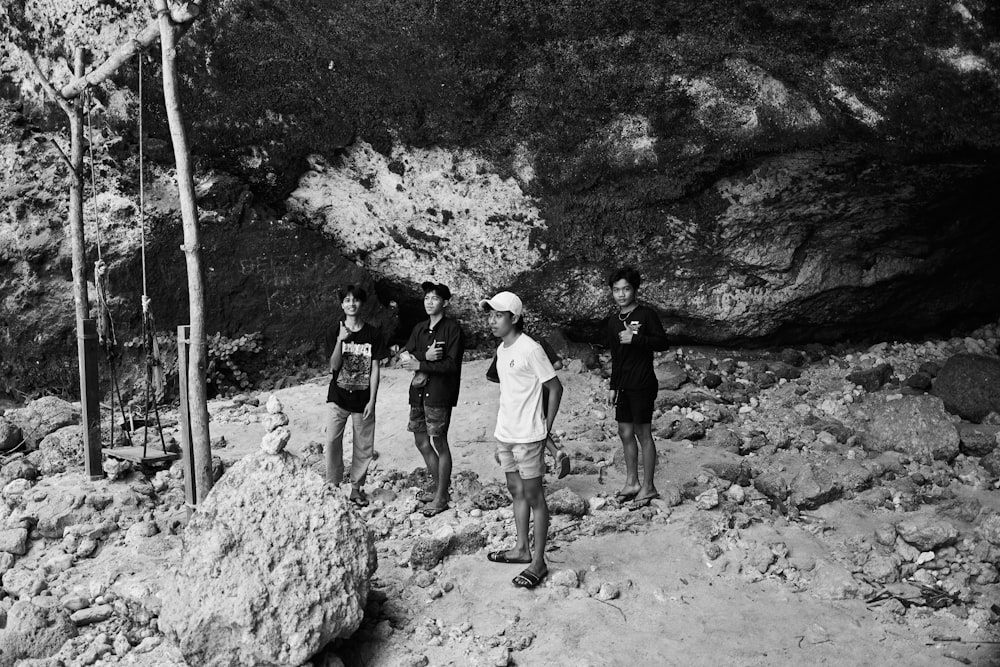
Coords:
555,398
409,362
651,334
447,359
337,356
491,373
373,381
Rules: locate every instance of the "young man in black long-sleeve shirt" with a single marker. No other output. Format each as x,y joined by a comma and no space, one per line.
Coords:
634,333
435,350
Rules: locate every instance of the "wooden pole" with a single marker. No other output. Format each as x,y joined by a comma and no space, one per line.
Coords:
198,346
90,410
187,455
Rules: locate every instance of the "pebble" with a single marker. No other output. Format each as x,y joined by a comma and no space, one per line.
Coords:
608,591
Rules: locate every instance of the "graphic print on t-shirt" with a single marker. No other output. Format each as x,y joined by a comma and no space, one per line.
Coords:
356,370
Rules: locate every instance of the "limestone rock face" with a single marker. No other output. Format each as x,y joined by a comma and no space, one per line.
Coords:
969,385
42,417
914,425
275,564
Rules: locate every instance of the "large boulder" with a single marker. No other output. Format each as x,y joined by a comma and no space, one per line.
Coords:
978,439
42,417
913,425
34,631
275,565
59,451
969,385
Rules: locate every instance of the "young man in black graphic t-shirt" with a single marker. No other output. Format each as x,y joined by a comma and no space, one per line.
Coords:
354,349
634,333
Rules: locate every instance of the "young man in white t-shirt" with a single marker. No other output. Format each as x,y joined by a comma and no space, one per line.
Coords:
522,430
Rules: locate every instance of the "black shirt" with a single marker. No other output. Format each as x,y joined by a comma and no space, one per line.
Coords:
445,374
350,387
632,364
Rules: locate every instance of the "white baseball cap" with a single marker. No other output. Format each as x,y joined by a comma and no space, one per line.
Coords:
504,301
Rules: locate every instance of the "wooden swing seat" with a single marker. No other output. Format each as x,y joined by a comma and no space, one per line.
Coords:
135,455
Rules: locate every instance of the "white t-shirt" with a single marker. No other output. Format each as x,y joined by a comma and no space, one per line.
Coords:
522,369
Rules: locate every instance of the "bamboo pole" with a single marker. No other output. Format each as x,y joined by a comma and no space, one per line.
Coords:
198,360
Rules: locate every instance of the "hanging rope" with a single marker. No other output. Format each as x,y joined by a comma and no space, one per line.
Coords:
154,368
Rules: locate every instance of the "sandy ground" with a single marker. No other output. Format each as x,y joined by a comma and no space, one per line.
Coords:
675,606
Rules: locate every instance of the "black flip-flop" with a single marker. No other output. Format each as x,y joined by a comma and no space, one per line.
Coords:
639,503
359,499
528,579
433,511
564,464
625,497
501,557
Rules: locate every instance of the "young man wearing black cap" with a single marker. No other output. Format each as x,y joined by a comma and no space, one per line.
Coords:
434,352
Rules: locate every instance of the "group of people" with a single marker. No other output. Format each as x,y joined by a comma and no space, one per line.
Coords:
530,395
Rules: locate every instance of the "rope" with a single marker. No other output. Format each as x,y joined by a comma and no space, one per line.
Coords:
89,99
142,194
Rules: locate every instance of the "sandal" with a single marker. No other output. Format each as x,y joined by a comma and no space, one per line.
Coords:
639,503
528,579
624,497
562,463
358,497
501,557
433,511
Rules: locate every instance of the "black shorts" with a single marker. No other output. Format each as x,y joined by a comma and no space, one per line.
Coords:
635,407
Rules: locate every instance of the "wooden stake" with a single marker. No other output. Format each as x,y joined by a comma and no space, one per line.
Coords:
86,348
198,363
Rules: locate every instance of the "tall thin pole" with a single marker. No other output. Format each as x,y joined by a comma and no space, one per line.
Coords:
90,409
198,360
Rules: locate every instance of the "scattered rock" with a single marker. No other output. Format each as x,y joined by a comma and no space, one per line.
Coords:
60,450
566,501
10,435
969,385
926,534
977,439
670,375
814,486
34,631
772,485
90,615
871,379
913,425
42,417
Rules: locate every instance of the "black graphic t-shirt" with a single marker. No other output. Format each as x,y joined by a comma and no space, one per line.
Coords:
350,387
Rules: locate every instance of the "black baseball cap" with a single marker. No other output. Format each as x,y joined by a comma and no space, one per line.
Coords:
439,289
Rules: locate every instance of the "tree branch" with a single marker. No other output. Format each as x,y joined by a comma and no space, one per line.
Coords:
182,14
46,84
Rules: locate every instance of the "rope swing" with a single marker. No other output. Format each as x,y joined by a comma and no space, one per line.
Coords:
154,381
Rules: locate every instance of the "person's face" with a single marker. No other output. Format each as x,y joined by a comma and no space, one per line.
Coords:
434,304
501,322
351,305
623,293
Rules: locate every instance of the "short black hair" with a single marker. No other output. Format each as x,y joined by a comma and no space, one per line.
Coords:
630,275
356,291
439,289
519,325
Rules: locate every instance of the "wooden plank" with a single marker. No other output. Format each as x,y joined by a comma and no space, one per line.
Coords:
134,454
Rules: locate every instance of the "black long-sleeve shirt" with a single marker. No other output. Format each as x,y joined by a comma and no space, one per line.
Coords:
445,374
632,364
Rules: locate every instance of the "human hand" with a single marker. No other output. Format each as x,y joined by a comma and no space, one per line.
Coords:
344,332
408,362
612,396
369,410
434,351
625,336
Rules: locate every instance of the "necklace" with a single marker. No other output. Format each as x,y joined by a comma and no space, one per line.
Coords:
624,316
